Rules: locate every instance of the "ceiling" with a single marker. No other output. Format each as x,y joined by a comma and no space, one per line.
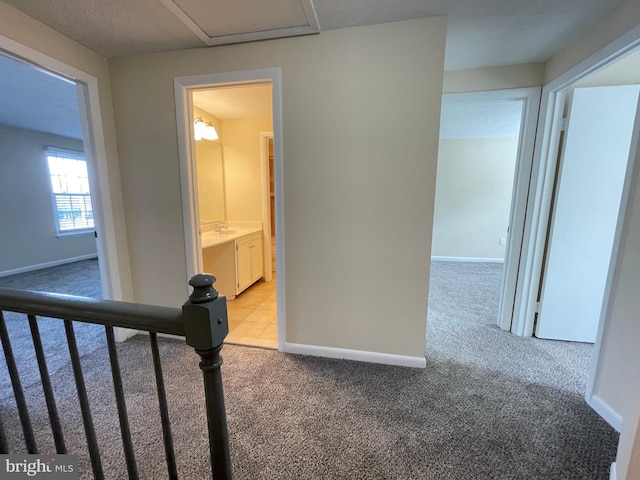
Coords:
36,100
480,119
480,33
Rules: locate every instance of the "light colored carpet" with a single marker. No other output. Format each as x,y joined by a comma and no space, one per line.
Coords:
461,327
297,417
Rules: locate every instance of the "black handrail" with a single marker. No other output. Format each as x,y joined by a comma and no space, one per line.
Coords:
150,318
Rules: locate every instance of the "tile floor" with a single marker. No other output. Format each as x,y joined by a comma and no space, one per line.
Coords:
252,316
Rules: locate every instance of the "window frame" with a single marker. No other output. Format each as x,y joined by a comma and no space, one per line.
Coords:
71,155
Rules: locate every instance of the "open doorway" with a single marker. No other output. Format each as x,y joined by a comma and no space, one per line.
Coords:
227,196
48,212
587,146
233,197
45,183
485,154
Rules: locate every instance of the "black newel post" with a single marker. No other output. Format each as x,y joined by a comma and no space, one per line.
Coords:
206,326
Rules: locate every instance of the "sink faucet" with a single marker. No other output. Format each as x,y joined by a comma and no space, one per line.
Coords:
220,226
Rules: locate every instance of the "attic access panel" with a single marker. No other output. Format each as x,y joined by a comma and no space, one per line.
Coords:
218,22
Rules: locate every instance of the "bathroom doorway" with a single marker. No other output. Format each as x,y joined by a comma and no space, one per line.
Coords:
233,193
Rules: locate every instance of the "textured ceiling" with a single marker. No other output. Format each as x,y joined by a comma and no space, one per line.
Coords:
480,120
481,33
36,100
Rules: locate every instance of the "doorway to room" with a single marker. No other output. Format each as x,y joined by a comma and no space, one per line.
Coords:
48,173
485,153
234,196
589,144
48,191
234,205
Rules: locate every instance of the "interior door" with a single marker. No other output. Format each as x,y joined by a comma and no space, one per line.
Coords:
587,202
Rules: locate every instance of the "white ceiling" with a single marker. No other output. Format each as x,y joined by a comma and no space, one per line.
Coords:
32,99
480,32
480,120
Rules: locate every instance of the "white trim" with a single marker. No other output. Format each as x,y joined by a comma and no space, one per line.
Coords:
612,472
603,409
530,110
357,355
188,183
40,266
95,152
466,259
309,10
266,204
182,89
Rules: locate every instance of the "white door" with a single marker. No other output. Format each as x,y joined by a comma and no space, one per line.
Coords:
588,194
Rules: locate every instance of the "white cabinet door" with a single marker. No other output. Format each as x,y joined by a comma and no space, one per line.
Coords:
585,216
257,264
243,263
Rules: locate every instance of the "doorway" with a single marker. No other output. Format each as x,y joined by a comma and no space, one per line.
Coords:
603,392
48,178
237,247
113,271
233,195
485,155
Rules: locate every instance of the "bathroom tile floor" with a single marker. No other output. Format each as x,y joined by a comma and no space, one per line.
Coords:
252,316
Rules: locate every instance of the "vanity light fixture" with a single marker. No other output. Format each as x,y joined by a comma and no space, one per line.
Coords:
202,130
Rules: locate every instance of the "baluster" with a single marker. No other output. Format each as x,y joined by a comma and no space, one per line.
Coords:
29,438
4,446
125,431
54,419
92,443
164,410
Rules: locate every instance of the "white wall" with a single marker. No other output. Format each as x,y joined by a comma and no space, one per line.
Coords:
494,78
29,232
473,196
23,29
350,283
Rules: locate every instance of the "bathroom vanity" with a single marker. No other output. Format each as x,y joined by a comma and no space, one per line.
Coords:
235,257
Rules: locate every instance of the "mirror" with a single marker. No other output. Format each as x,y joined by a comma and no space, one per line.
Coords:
210,174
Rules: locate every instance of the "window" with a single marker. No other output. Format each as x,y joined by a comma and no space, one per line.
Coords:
70,189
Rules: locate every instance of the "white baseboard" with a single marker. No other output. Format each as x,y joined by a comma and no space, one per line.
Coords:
40,266
612,472
605,411
358,355
466,259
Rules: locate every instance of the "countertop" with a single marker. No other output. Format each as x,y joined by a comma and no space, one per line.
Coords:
211,239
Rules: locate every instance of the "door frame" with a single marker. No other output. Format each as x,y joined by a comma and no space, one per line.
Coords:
530,98
266,203
109,254
183,86
539,204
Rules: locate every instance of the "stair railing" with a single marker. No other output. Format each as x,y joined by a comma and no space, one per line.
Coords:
203,322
